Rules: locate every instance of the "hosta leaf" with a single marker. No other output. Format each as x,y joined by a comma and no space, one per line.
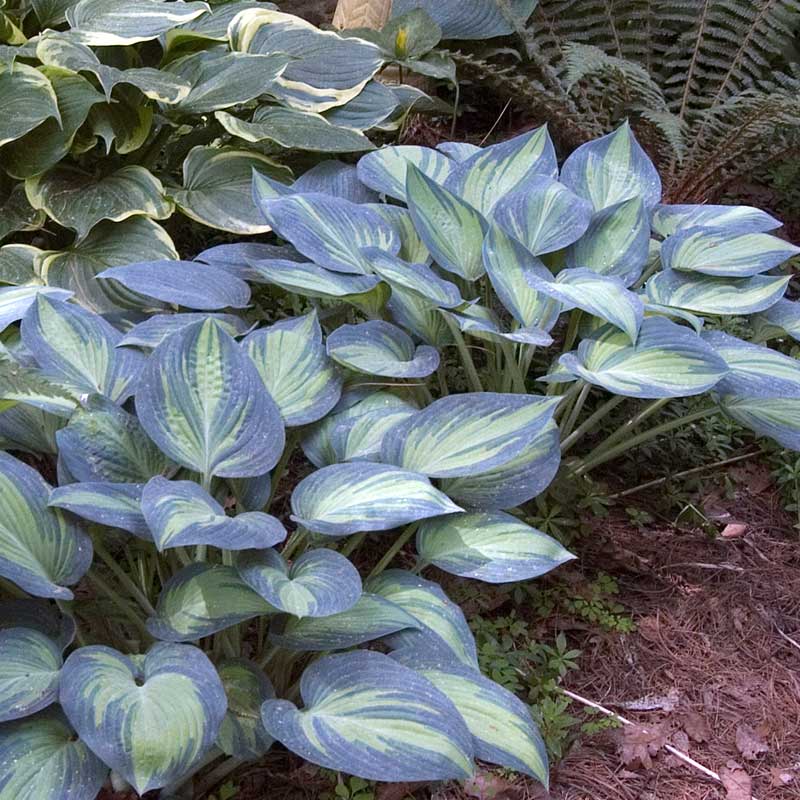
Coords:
292,362
458,151
325,70
776,417
362,496
117,505
501,725
19,384
29,672
41,757
611,169
493,547
725,252
667,360
102,442
31,95
371,106
155,329
78,348
380,348
329,230
617,242
442,627
38,615
151,719
202,401
370,618
202,599
29,429
417,315
242,734
16,300
484,324
667,219
711,295
77,200
210,27
181,513
470,19
385,169
452,229
335,178
360,437
369,716
123,126
17,214
40,550
312,281
522,478
317,584
237,257
184,283
466,434
114,22
412,248
783,316
217,189
497,171
17,263
543,215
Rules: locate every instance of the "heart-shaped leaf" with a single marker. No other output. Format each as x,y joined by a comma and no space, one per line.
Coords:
29,672
242,733
117,505
31,95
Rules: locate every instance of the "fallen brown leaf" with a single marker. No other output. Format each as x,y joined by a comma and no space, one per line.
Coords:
489,786
696,726
736,781
781,777
641,742
750,743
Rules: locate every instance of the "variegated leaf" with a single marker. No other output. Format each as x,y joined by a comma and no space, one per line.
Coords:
116,505
152,331
482,323
38,615
242,734
385,169
668,219
32,97
471,19
419,316
412,248
775,417
313,281
16,300
29,673
780,318
20,384
370,107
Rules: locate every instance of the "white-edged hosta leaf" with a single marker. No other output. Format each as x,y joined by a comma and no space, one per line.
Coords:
294,130
470,19
17,215
667,360
16,300
151,718
367,715
202,599
292,362
78,200
370,618
155,329
181,513
466,434
667,219
385,169
360,437
311,280
775,417
116,505
185,283
202,401
329,230
29,673
217,189
318,583
492,546
364,496
484,324
441,625
781,318
543,215
325,70
458,151
419,279
17,262
371,106
41,551
20,384
115,22
513,483
611,169
617,242
502,728
711,295
451,229
242,734
41,757
419,316
104,443
78,348
725,252
497,171
380,348
31,96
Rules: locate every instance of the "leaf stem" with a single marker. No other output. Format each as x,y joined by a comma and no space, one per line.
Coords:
123,577
591,421
398,545
466,358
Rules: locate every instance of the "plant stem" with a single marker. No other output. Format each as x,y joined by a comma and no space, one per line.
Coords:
293,543
569,423
591,421
280,467
629,426
441,376
114,597
123,578
466,358
398,545
513,367
353,544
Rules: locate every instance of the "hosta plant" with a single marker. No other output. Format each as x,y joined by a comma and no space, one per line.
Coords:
224,526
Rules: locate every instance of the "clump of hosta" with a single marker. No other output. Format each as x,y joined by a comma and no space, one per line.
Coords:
198,618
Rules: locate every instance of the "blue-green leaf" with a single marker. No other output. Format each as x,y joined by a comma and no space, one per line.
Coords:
482,323
667,219
29,673
317,584
380,348
16,300
412,248
493,547
117,505
467,434
370,107
367,715
202,599
40,549
151,719
775,417
311,280
204,404
26,385
155,329
40,757
385,170
611,169
181,513
782,317
38,615
370,618
470,19
292,362
242,733
363,496
78,348
419,316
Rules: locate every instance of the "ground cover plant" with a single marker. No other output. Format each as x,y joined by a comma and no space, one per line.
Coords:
462,321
